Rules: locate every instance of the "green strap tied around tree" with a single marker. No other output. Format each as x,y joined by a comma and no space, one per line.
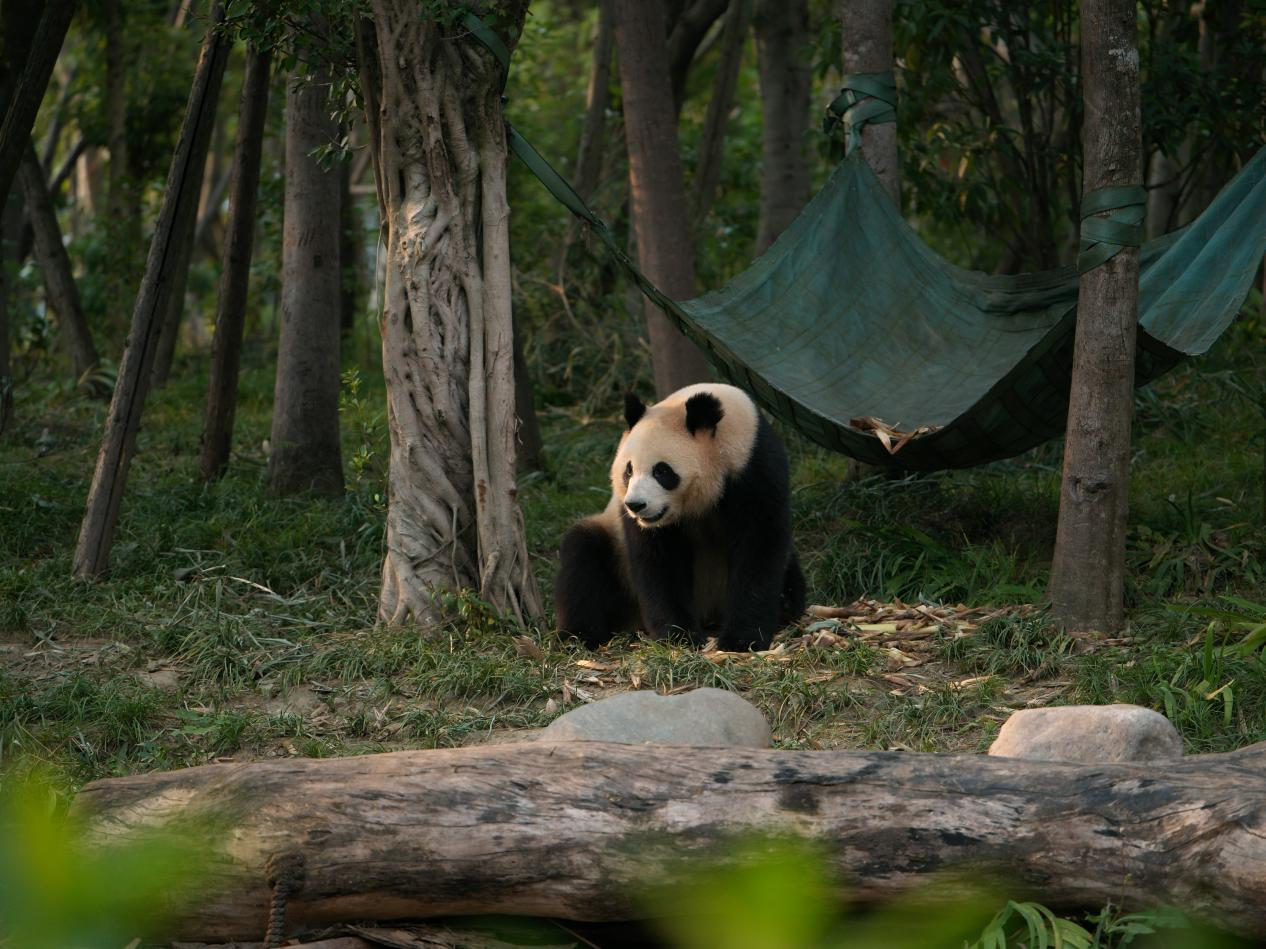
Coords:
1104,238
866,98
488,36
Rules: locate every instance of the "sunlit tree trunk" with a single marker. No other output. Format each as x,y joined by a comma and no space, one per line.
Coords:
660,208
1088,570
866,41
306,455
433,102
786,84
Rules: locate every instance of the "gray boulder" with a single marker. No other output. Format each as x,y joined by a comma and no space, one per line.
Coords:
1090,734
703,717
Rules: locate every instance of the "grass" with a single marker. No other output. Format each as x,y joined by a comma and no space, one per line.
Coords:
238,625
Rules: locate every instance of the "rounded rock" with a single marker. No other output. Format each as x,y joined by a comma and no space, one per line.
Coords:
703,717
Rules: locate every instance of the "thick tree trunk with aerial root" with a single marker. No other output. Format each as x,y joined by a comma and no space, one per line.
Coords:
433,103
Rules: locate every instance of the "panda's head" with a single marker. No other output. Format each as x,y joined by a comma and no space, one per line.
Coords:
674,459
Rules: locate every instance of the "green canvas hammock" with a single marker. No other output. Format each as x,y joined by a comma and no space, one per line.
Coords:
853,331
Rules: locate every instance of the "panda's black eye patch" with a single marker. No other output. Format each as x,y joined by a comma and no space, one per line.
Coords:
628,472
664,474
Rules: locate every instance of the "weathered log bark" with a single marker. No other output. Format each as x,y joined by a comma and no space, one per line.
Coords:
438,137
712,148
59,280
1088,569
660,210
306,453
33,36
180,200
866,41
574,829
786,87
235,268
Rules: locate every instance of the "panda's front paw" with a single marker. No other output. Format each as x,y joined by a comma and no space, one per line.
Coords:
742,638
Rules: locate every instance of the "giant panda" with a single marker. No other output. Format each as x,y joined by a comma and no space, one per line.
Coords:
697,535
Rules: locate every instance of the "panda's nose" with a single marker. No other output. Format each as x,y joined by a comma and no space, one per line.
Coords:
635,507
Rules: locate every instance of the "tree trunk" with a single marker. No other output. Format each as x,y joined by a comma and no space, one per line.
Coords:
33,34
169,323
1088,569
453,519
686,33
10,225
235,267
577,829
658,192
531,447
121,197
59,280
349,253
786,88
180,201
866,41
593,132
712,148
306,455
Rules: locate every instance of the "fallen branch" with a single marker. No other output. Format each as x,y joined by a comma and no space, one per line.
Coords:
570,830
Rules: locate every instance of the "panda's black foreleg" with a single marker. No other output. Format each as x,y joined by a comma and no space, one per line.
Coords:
794,592
754,593
661,563
590,600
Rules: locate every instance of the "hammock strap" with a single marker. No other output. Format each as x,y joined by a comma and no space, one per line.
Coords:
1102,238
866,98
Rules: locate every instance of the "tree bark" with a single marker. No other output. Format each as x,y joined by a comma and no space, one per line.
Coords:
1088,569
59,280
687,26
180,201
866,41
712,148
786,88
33,36
169,323
306,455
576,829
658,192
593,132
10,228
438,137
235,267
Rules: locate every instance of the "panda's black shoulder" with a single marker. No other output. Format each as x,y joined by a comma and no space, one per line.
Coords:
764,479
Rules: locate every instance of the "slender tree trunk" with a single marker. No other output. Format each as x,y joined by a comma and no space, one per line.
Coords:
121,198
59,280
593,132
33,34
169,332
1088,570
10,223
686,33
786,87
306,455
453,520
180,201
658,192
866,40
235,268
349,253
531,447
712,148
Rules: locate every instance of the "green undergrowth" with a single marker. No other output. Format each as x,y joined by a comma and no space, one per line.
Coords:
233,624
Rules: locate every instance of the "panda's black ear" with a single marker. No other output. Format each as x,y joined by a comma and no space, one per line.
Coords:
703,411
634,408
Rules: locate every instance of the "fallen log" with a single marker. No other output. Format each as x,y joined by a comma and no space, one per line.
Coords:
575,829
